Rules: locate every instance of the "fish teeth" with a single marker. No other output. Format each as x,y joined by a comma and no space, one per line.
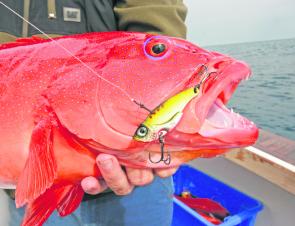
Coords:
246,78
225,123
243,122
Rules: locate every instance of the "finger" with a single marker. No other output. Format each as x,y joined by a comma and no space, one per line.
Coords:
93,186
113,174
139,177
167,172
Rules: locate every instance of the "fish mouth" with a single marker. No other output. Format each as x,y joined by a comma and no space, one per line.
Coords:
207,123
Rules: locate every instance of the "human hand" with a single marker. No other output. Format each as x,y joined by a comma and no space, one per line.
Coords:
119,181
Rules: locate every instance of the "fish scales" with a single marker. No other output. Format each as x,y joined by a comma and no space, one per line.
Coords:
59,109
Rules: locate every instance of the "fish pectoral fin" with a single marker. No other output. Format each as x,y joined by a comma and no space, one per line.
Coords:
64,198
40,168
71,200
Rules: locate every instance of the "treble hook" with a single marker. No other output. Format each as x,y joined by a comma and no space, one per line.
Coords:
205,68
207,75
166,160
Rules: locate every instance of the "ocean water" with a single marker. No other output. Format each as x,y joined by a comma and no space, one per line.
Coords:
268,97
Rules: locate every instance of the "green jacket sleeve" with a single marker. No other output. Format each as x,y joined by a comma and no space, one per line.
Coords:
154,16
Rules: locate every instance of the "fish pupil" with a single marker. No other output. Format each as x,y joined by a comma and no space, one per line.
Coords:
158,48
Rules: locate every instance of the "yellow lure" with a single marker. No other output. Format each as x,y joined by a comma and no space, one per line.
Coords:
165,117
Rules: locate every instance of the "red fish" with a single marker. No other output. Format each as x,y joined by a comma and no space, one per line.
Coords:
211,210
63,101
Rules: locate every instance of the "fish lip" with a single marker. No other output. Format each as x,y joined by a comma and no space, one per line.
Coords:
230,73
227,73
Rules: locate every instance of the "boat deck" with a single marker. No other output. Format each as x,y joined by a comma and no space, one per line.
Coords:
272,157
277,146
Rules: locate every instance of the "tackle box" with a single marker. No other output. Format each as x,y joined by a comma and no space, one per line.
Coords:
242,207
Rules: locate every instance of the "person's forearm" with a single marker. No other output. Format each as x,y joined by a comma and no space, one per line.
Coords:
154,16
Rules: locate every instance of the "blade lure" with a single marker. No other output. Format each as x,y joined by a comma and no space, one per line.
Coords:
166,116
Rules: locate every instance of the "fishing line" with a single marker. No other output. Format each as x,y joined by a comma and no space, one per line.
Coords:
161,140
84,64
71,54
141,105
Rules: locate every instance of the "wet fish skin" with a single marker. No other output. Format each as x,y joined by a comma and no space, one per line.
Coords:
57,114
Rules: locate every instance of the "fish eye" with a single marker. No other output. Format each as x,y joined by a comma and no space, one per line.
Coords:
142,131
156,47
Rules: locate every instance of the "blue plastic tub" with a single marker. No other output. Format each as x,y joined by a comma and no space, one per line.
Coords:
242,207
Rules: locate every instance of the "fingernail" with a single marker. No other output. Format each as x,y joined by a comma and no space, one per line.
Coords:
106,163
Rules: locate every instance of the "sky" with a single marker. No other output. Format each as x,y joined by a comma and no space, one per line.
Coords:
215,22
